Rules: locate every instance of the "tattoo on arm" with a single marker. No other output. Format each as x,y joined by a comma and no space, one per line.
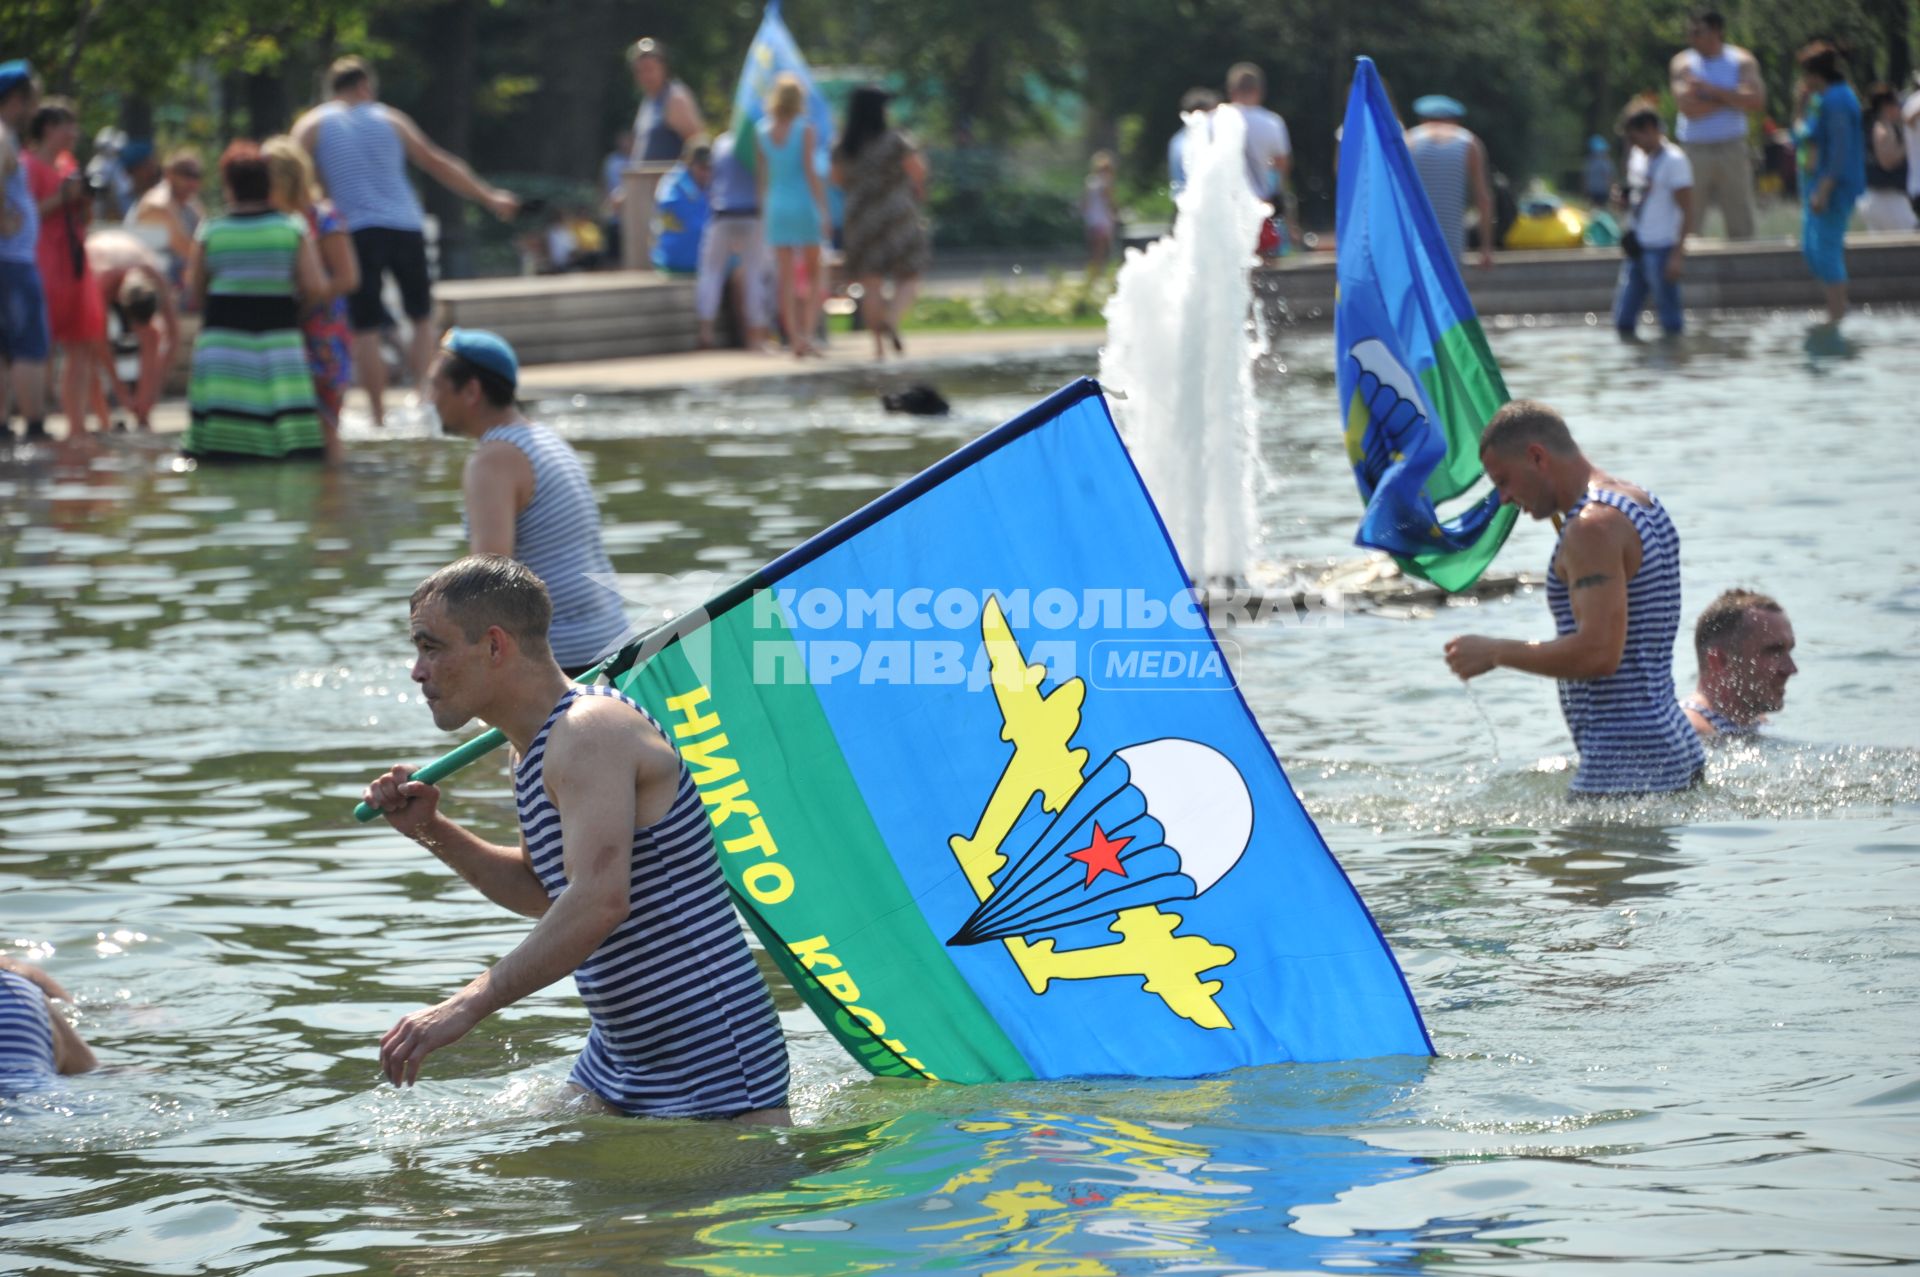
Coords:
1597,578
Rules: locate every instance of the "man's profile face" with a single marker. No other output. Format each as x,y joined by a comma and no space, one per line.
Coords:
1520,479
1759,660
448,403
446,666
18,109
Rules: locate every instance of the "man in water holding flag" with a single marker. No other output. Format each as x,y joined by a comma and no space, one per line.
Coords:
1613,586
616,860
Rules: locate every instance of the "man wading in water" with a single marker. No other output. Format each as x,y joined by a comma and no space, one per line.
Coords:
1613,587
616,860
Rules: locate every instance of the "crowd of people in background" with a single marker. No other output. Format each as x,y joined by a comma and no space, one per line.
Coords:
767,211
1842,163
99,264
285,284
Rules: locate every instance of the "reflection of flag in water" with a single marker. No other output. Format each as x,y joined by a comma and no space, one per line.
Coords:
773,50
986,710
1140,1193
1417,383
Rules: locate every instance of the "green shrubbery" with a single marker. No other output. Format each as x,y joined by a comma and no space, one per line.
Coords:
1062,302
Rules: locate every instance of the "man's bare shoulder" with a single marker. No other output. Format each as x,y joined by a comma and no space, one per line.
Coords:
602,737
498,457
1598,524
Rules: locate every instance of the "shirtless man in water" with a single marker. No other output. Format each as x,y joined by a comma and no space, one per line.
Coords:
1613,587
1745,645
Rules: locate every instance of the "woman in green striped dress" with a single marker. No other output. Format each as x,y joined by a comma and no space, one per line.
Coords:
251,394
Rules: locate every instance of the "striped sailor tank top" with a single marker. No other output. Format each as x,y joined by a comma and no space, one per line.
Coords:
1441,161
363,163
26,1027
1628,727
683,1023
558,537
1720,723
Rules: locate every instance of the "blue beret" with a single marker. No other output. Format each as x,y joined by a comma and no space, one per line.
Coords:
485,350
14,73
1438,106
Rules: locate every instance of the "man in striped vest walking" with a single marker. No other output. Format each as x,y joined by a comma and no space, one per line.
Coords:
1613,586
616,860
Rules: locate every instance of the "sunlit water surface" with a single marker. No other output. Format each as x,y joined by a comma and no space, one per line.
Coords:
1682,1031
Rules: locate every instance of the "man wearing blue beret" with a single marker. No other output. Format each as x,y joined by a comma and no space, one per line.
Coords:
1452,164
527,494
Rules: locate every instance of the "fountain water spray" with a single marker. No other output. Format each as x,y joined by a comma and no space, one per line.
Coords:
1181,351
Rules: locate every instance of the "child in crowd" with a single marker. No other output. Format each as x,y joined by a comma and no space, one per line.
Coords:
1097,213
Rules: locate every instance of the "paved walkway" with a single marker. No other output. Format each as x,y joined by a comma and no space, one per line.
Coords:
849,360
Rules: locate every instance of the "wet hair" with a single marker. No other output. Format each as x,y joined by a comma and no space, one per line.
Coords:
1527,421
50,114
1198,99
1245,75
1726,618
137,300
289,171
866,120
494,388
348,73
789,97
647,47
1711,19
1821,58
490,589
244,170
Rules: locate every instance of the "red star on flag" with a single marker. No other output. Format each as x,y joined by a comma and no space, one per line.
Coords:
1102,855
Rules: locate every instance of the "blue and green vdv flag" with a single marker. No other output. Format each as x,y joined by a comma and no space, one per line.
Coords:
774,50
983,784
1417,383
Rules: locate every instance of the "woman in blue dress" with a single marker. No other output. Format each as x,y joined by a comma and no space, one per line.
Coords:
1833,167
794,201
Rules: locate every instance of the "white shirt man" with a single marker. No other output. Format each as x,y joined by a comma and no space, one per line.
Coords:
1659,218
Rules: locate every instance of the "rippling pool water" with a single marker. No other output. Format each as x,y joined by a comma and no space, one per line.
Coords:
1683,1031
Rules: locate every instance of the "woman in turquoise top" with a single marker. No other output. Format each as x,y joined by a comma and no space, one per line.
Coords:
795,204
1833,167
